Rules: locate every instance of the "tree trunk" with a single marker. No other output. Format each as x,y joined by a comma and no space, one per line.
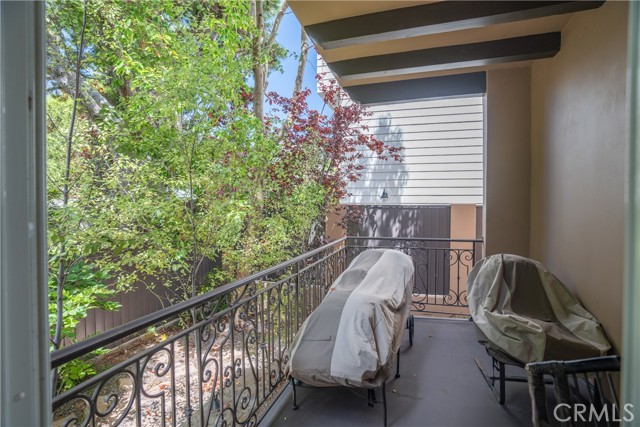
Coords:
258,65
302,62
297,86
276,24
62,267
261,49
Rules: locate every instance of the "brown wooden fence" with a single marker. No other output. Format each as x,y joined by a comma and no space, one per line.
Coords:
137,302
418,221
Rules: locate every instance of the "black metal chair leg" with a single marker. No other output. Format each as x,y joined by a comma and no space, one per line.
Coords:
295,398
384,403
502,382
411,329
371,399
398,365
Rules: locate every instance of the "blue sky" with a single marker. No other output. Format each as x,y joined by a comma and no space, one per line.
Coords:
282,83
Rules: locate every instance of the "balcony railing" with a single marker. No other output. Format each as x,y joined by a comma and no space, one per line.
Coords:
442,267
222,362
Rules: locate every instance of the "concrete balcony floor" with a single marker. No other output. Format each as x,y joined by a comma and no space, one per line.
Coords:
440,385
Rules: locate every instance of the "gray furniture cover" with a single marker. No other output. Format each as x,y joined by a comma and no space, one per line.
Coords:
525,312
353,336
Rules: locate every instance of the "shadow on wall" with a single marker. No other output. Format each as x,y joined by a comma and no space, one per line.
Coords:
380,175
404,221
386,217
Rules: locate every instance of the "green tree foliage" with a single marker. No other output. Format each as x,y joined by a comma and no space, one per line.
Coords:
167,165
157,160
133,155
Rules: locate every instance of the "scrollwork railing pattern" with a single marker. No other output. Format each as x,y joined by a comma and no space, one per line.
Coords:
222,368
224,362
442,267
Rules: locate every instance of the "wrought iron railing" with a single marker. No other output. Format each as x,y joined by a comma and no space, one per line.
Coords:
223,361
217,371
442,266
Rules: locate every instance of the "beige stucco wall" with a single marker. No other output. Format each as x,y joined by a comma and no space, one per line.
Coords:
463,226
578,147
507,161
463,222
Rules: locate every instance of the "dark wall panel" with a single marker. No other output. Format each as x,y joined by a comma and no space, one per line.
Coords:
404,221
431,258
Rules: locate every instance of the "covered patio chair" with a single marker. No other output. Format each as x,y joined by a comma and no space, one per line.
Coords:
353,337
524,314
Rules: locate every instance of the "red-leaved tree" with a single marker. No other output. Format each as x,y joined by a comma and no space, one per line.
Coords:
322,148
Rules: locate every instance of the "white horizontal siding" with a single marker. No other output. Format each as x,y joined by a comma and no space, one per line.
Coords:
359,186
406,169
425,191
431,119
408,135
412,200
443,154
427,159
427,175
431,104
435,144
456,128
443,143
408,153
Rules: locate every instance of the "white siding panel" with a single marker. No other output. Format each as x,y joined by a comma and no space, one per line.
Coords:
374,122
400,137
428,104
413,200
435,191
443,143
403,169
452,142
408,153
426,183
443,154
425,176
446,144
432,159
386,129
431,112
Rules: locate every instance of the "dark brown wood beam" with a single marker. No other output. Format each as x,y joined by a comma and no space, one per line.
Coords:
434,18
449,57
425,88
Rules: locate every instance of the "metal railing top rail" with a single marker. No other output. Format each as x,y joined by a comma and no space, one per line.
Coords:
71,352
421,239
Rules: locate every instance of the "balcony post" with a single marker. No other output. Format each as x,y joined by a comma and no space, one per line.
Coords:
631,310
24,331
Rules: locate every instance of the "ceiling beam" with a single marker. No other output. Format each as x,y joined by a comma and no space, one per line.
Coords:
449,57
425,88
434,18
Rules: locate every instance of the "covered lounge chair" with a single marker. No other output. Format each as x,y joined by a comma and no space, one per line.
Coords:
353,337
524,314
